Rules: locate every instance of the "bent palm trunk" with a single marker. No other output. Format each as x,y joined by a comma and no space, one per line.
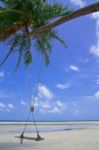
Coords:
81,12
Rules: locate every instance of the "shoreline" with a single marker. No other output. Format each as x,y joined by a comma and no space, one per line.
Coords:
47,122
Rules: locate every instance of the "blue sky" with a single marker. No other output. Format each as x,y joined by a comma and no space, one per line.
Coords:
69,86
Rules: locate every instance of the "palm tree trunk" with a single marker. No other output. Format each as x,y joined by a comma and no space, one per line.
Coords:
81,12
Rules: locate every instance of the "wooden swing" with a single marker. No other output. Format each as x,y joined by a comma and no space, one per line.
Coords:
31,111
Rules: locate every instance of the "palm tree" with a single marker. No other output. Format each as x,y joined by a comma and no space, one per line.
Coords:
18,19
31,21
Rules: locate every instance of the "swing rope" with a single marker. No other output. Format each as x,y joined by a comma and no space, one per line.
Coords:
26,123
35,123
32,105
38,81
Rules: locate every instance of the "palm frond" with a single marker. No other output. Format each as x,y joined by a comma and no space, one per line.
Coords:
10,30
17,19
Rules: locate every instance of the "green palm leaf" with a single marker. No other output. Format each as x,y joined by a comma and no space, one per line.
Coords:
18,19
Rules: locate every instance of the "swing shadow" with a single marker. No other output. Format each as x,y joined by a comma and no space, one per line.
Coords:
18,146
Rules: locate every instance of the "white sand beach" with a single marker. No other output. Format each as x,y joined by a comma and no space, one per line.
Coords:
77,139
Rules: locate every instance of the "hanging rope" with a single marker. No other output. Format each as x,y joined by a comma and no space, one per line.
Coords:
28,116
35,94
32,104
35,123
29,85
38,81
22,135
26,123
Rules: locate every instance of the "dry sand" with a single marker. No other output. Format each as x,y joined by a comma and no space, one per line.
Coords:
79,139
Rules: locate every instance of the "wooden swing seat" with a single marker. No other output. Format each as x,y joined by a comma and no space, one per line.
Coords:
30,138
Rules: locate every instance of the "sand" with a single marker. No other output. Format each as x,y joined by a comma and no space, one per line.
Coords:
78,139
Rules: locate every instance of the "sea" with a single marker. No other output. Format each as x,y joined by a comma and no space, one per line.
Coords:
49,126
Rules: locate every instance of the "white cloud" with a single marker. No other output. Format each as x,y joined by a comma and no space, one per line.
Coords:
97,95
74,68
2,106
76,113
45,105
10,106
54,110
80,3
45,92
6,107
60,104
84,60
36,104
94,97
2,74
97,79
46,101
52,107
95,48
49,109
63,86
23,103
